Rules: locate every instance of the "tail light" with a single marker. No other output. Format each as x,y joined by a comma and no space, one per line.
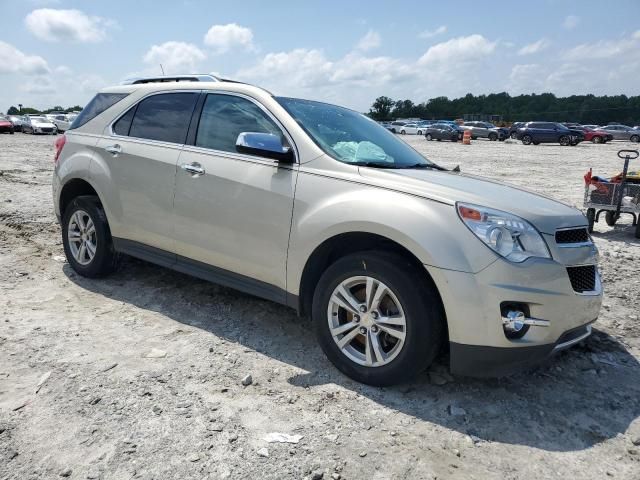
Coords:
59,144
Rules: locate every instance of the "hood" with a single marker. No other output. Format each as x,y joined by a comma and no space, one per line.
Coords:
544,213
5,123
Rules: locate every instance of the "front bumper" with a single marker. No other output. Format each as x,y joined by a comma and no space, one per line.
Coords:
472,302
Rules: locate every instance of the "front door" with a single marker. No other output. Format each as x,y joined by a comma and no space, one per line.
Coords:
233,211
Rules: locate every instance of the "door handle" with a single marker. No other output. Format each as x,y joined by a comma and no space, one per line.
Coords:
114,149
194,168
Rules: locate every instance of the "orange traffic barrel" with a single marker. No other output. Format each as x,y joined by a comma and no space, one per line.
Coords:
466,137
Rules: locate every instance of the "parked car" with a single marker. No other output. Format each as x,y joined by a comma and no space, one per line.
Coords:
61,122
513,130
622,132
396,126
443,131
17,121
483,130
412,129
319,208
5,125
596,135
549,132
38,124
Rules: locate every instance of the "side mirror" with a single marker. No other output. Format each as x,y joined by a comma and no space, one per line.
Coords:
264,145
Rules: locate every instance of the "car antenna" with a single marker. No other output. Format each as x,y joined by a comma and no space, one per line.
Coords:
161,68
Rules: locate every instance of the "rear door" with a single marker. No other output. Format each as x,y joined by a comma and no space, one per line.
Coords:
140,154
235,215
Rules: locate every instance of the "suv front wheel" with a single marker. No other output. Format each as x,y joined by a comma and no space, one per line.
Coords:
87,239
377,318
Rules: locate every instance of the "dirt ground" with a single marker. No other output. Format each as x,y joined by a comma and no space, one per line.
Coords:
140,375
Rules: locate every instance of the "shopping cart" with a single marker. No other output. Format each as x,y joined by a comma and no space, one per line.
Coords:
613,197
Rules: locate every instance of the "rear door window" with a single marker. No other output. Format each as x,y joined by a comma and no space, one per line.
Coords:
96,106
164,117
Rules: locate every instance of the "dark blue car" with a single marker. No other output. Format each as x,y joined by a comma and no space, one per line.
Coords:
549,132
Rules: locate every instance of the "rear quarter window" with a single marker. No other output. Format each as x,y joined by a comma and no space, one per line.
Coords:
96,106
164,117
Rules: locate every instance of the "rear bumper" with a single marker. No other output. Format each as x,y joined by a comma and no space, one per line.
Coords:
481,361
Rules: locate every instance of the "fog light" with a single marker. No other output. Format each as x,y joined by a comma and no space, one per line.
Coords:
513,322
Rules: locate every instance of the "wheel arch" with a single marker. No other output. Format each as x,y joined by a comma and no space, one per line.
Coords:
344,244
73,188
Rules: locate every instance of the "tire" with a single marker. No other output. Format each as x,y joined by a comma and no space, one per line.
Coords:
635,138
597,139
536,143
591,218
106,259
527,140
493,137
428,137
419,132
402,132
514,136
611,218
11,132
637,233
418,301
564,140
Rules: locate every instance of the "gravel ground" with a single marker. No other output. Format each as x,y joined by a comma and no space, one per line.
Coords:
144,374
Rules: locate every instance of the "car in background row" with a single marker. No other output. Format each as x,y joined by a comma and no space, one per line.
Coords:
413,129
513,130
62,122
484,130
549,132
5,125
622,132
395,127
596,135
17,121
443,131
38,124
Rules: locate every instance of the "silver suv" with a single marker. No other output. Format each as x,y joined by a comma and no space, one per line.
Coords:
318,207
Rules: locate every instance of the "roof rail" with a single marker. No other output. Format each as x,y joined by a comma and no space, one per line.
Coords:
170,78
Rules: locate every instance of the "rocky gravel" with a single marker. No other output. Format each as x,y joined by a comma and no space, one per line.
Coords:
150,374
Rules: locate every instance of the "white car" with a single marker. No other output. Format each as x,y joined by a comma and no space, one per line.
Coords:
62,122
38,124
412,129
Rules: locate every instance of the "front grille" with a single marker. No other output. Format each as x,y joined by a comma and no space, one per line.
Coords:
46,130
583,279
575,235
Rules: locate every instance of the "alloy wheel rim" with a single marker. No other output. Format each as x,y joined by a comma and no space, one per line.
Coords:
82,239
367,321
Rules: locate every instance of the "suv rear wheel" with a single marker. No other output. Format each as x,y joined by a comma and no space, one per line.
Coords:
86,238
377,318
493,137
526,139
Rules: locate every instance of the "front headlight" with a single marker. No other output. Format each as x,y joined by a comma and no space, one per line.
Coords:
508,235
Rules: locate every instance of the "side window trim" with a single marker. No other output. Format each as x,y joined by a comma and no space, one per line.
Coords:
112,133
191,136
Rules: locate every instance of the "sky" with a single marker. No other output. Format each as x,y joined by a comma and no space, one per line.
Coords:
60,52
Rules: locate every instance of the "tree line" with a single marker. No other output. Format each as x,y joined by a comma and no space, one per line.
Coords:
13,110
584,109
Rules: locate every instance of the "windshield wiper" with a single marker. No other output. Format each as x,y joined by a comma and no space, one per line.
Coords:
375,164
431,166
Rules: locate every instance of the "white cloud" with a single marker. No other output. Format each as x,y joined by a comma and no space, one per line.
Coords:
13,60
175,57
432,33
626,47
369,41
299,68
534,47
571,22
222,38
457,50
54,25
40,85
369,71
